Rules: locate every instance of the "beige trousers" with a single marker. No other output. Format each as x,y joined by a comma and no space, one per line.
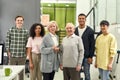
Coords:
35,73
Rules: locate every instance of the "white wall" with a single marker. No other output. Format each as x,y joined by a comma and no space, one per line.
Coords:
104,10
83,6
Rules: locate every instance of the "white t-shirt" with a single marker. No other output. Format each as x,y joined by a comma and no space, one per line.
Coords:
54,39
81,31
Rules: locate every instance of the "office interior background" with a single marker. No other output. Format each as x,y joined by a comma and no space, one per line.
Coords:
62,11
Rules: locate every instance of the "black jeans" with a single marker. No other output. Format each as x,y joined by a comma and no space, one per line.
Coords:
48,76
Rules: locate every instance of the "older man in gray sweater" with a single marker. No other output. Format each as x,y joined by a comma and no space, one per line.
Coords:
72,54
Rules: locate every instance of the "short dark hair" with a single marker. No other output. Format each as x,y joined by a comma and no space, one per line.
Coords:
104,22
33,27
82,14
18,17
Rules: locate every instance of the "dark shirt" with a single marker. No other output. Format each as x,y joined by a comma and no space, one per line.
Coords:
88,42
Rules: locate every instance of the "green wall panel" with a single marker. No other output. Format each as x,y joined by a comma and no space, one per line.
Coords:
60,12
50,11
60,17
70,15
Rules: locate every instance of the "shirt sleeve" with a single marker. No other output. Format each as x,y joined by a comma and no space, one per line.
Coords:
92,44
113,47
81,51
29,42
61,54
45,47
8,38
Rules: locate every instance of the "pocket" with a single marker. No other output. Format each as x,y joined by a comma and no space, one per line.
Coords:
49,58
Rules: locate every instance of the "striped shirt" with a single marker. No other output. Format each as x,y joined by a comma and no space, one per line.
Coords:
16,41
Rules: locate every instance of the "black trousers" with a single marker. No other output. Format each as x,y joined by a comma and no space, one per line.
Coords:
48,76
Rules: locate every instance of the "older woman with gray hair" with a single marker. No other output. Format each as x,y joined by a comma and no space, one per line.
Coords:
49,52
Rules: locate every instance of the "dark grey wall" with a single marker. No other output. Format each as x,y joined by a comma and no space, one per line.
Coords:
9,9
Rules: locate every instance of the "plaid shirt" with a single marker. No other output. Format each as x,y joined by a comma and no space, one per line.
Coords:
16,42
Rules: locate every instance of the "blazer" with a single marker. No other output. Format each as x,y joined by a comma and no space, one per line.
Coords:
88,42
49,59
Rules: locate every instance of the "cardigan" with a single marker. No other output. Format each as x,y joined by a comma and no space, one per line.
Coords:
49,59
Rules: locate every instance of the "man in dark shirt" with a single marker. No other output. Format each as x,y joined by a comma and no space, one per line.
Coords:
87,35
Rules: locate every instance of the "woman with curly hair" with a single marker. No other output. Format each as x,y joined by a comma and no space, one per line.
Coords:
33,50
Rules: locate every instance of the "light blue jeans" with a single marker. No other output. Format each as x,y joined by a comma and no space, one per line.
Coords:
86,67
104,74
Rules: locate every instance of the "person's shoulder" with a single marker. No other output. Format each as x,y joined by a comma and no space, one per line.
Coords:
30,38
64,38
101,35
46,36
90,29
24,29
111,35
77,37
11,28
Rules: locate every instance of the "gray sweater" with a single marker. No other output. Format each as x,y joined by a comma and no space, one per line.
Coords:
72,51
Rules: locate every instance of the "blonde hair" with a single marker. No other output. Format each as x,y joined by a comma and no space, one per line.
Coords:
51,23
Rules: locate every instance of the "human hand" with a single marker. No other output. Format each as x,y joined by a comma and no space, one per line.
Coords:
95,65
8,53
109,67
90,60
31,66
78,67
61,67
56,49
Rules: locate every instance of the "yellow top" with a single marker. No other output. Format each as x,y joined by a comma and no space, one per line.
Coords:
105,48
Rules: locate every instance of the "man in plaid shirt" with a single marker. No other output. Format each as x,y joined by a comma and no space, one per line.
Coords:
16,43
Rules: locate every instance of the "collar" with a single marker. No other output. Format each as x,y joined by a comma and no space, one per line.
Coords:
52,35
18,28
73,35
83,28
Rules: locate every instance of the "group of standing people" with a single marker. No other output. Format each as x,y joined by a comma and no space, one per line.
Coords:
75,52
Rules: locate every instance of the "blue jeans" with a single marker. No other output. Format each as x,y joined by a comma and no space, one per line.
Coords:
104,74
86,67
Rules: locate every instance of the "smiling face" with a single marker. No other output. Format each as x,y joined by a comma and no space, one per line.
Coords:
104,25
52,27
19,22
104,29
81,21
70,29
37,30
